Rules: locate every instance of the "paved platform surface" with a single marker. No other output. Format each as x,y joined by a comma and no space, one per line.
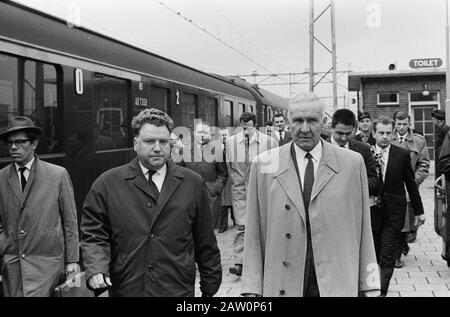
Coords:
425,274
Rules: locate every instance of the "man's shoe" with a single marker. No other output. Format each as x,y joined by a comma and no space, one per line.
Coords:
399,264
411,236
236,270
405,250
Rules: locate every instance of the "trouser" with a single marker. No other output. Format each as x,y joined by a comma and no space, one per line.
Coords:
390,241
402,244
223,223
238,244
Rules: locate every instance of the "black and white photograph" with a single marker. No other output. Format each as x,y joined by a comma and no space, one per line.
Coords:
237,152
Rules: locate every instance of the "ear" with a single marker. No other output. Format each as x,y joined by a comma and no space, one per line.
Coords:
134,143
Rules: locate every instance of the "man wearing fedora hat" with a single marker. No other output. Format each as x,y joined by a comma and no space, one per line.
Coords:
38,219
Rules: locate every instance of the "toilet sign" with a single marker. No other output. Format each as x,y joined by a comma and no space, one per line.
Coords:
425,62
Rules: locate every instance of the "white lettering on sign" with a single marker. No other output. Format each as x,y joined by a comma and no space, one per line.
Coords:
79,81
425,62
141,102
141,86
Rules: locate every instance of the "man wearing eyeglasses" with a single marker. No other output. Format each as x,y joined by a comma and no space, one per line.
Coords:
38,219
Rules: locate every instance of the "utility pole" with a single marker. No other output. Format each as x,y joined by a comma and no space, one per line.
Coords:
313,38
447,73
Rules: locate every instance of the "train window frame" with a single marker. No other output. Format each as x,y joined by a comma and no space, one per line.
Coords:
56,128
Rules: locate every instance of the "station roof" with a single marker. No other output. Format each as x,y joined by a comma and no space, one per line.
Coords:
354,78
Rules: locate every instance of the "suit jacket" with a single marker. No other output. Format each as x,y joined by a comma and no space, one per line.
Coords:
275,236
38,229
399,174
150,249
214,172
370,163
287,137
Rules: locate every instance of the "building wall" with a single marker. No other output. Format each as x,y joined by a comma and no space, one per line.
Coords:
402,85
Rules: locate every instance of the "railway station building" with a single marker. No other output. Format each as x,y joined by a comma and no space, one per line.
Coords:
417,92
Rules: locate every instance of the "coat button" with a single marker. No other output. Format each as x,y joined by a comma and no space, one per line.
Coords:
287,207
151,268
22,231
286,263
23,256
148,205
282,292
288,235
152,235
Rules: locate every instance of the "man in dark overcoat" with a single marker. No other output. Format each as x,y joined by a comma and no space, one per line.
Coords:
145,225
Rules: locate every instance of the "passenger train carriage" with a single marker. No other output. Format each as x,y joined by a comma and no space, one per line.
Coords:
83,89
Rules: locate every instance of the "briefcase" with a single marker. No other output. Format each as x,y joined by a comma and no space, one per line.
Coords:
75,287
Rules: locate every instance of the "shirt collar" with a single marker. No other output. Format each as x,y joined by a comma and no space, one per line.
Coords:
379,149
316,152
28,165
162,171
255,137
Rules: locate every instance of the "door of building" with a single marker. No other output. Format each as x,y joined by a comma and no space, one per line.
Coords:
423,123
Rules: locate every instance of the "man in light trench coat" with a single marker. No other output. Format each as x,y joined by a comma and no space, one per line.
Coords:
308,230
38,219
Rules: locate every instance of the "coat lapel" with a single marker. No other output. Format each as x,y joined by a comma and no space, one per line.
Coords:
328,167
31,178
287,177
171,182
13,181
391,160
138,179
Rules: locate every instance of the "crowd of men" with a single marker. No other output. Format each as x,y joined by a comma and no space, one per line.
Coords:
315,215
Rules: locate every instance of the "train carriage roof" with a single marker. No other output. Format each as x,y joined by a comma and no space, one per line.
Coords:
38,29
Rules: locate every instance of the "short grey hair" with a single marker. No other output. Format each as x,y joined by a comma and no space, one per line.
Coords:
151,116
307,98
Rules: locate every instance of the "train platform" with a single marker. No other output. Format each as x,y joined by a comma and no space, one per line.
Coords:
425,273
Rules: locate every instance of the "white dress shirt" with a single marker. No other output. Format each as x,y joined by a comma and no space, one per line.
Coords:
384,156
26,173
157,177
333,141
302,161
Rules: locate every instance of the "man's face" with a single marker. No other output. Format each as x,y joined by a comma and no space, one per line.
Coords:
383,135
152,146
306,126
248,128
342,133
438,123
202,134
402,126
365,124
21,149
279,122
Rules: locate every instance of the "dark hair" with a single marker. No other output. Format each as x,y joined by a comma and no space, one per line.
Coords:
384,121
278,114
400,115
343,116
152,116
247,116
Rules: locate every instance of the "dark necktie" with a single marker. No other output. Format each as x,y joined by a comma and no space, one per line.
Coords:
308,180
281,137
23,180
152,184
401,140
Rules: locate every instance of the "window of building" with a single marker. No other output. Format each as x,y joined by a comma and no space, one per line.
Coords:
30,88
388,98
111,112
427,96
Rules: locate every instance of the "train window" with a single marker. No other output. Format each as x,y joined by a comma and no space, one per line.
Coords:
237,111
250,108
226,119
40,103
111,112
184,114
158,98
209,112
8,89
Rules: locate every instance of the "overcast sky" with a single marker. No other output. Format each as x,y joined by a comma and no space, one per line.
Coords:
274,33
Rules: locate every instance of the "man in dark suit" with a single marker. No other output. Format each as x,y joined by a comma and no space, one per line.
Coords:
365,129
208,160
343,125
146,224
389,219
281,134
